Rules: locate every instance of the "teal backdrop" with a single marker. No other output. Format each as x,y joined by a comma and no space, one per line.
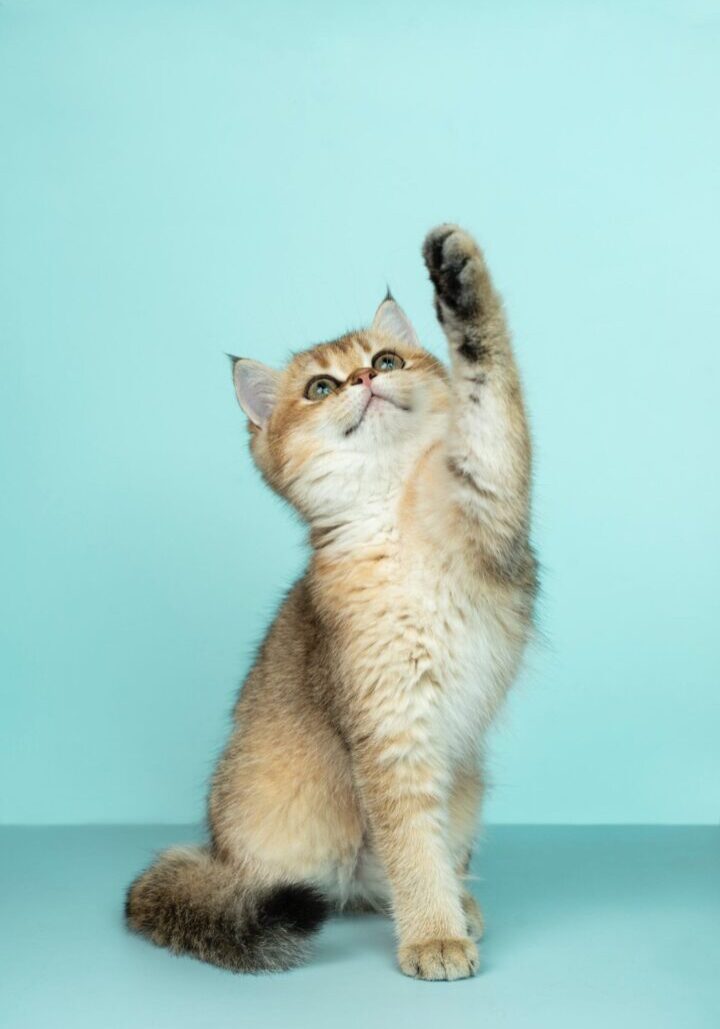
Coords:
182,179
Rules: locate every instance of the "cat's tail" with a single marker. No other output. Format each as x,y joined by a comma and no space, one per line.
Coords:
193,903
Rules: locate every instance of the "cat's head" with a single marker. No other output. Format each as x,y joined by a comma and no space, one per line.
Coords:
345,421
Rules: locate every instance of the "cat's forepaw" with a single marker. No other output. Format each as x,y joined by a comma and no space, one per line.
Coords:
457,270
473,917
439,959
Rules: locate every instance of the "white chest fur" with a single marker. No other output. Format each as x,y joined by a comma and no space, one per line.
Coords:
472,655
431,652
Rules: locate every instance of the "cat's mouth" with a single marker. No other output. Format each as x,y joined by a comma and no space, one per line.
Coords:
374,397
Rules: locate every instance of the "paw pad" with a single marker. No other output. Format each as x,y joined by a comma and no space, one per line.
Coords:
456,269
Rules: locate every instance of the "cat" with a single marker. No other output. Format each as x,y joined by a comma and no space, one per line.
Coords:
353,775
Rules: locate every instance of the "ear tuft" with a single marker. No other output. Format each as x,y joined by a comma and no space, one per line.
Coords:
256,387
392,320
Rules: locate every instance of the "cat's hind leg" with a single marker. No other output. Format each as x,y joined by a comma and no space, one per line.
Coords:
463,808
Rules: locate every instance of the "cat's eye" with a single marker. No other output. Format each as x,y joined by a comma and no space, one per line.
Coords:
387,361
321,386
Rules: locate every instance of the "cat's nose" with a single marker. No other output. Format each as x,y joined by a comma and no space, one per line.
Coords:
362,377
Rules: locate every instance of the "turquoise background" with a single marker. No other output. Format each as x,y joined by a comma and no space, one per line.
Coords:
180,179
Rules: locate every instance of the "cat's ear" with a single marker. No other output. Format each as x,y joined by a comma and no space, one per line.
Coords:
256,387
391,319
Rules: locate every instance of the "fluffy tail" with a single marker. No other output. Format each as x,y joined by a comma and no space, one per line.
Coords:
193,903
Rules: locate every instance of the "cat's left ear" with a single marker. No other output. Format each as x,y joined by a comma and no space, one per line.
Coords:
256,387
391,319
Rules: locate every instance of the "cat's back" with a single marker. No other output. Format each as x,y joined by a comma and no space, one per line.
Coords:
290,668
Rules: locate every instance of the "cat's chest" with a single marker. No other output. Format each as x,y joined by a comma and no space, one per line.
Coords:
467,641
432,642
425,646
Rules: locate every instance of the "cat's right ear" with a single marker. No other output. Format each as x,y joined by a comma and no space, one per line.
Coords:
256,387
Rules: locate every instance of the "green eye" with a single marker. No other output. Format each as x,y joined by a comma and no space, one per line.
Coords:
387,361
320,387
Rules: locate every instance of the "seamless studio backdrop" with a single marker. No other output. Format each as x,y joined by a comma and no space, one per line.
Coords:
179,180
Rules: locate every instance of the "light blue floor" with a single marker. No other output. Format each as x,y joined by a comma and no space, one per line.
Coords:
613,927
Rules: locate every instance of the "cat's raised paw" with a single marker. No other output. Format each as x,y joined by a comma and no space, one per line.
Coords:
457,271
439,959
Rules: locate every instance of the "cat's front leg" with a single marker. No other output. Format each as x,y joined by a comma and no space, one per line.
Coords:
486,458
403,802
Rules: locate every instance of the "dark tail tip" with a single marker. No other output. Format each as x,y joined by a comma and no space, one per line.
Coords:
300,909
126,906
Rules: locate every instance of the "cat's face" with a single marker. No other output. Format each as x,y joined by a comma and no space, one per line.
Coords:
345,421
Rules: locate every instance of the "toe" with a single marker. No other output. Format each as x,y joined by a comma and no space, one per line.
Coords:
439,960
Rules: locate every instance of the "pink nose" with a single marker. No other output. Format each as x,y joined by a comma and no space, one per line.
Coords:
362,377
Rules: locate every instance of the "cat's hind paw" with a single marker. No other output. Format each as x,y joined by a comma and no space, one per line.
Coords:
473,917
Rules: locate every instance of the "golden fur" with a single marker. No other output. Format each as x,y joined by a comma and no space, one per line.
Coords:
354,769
